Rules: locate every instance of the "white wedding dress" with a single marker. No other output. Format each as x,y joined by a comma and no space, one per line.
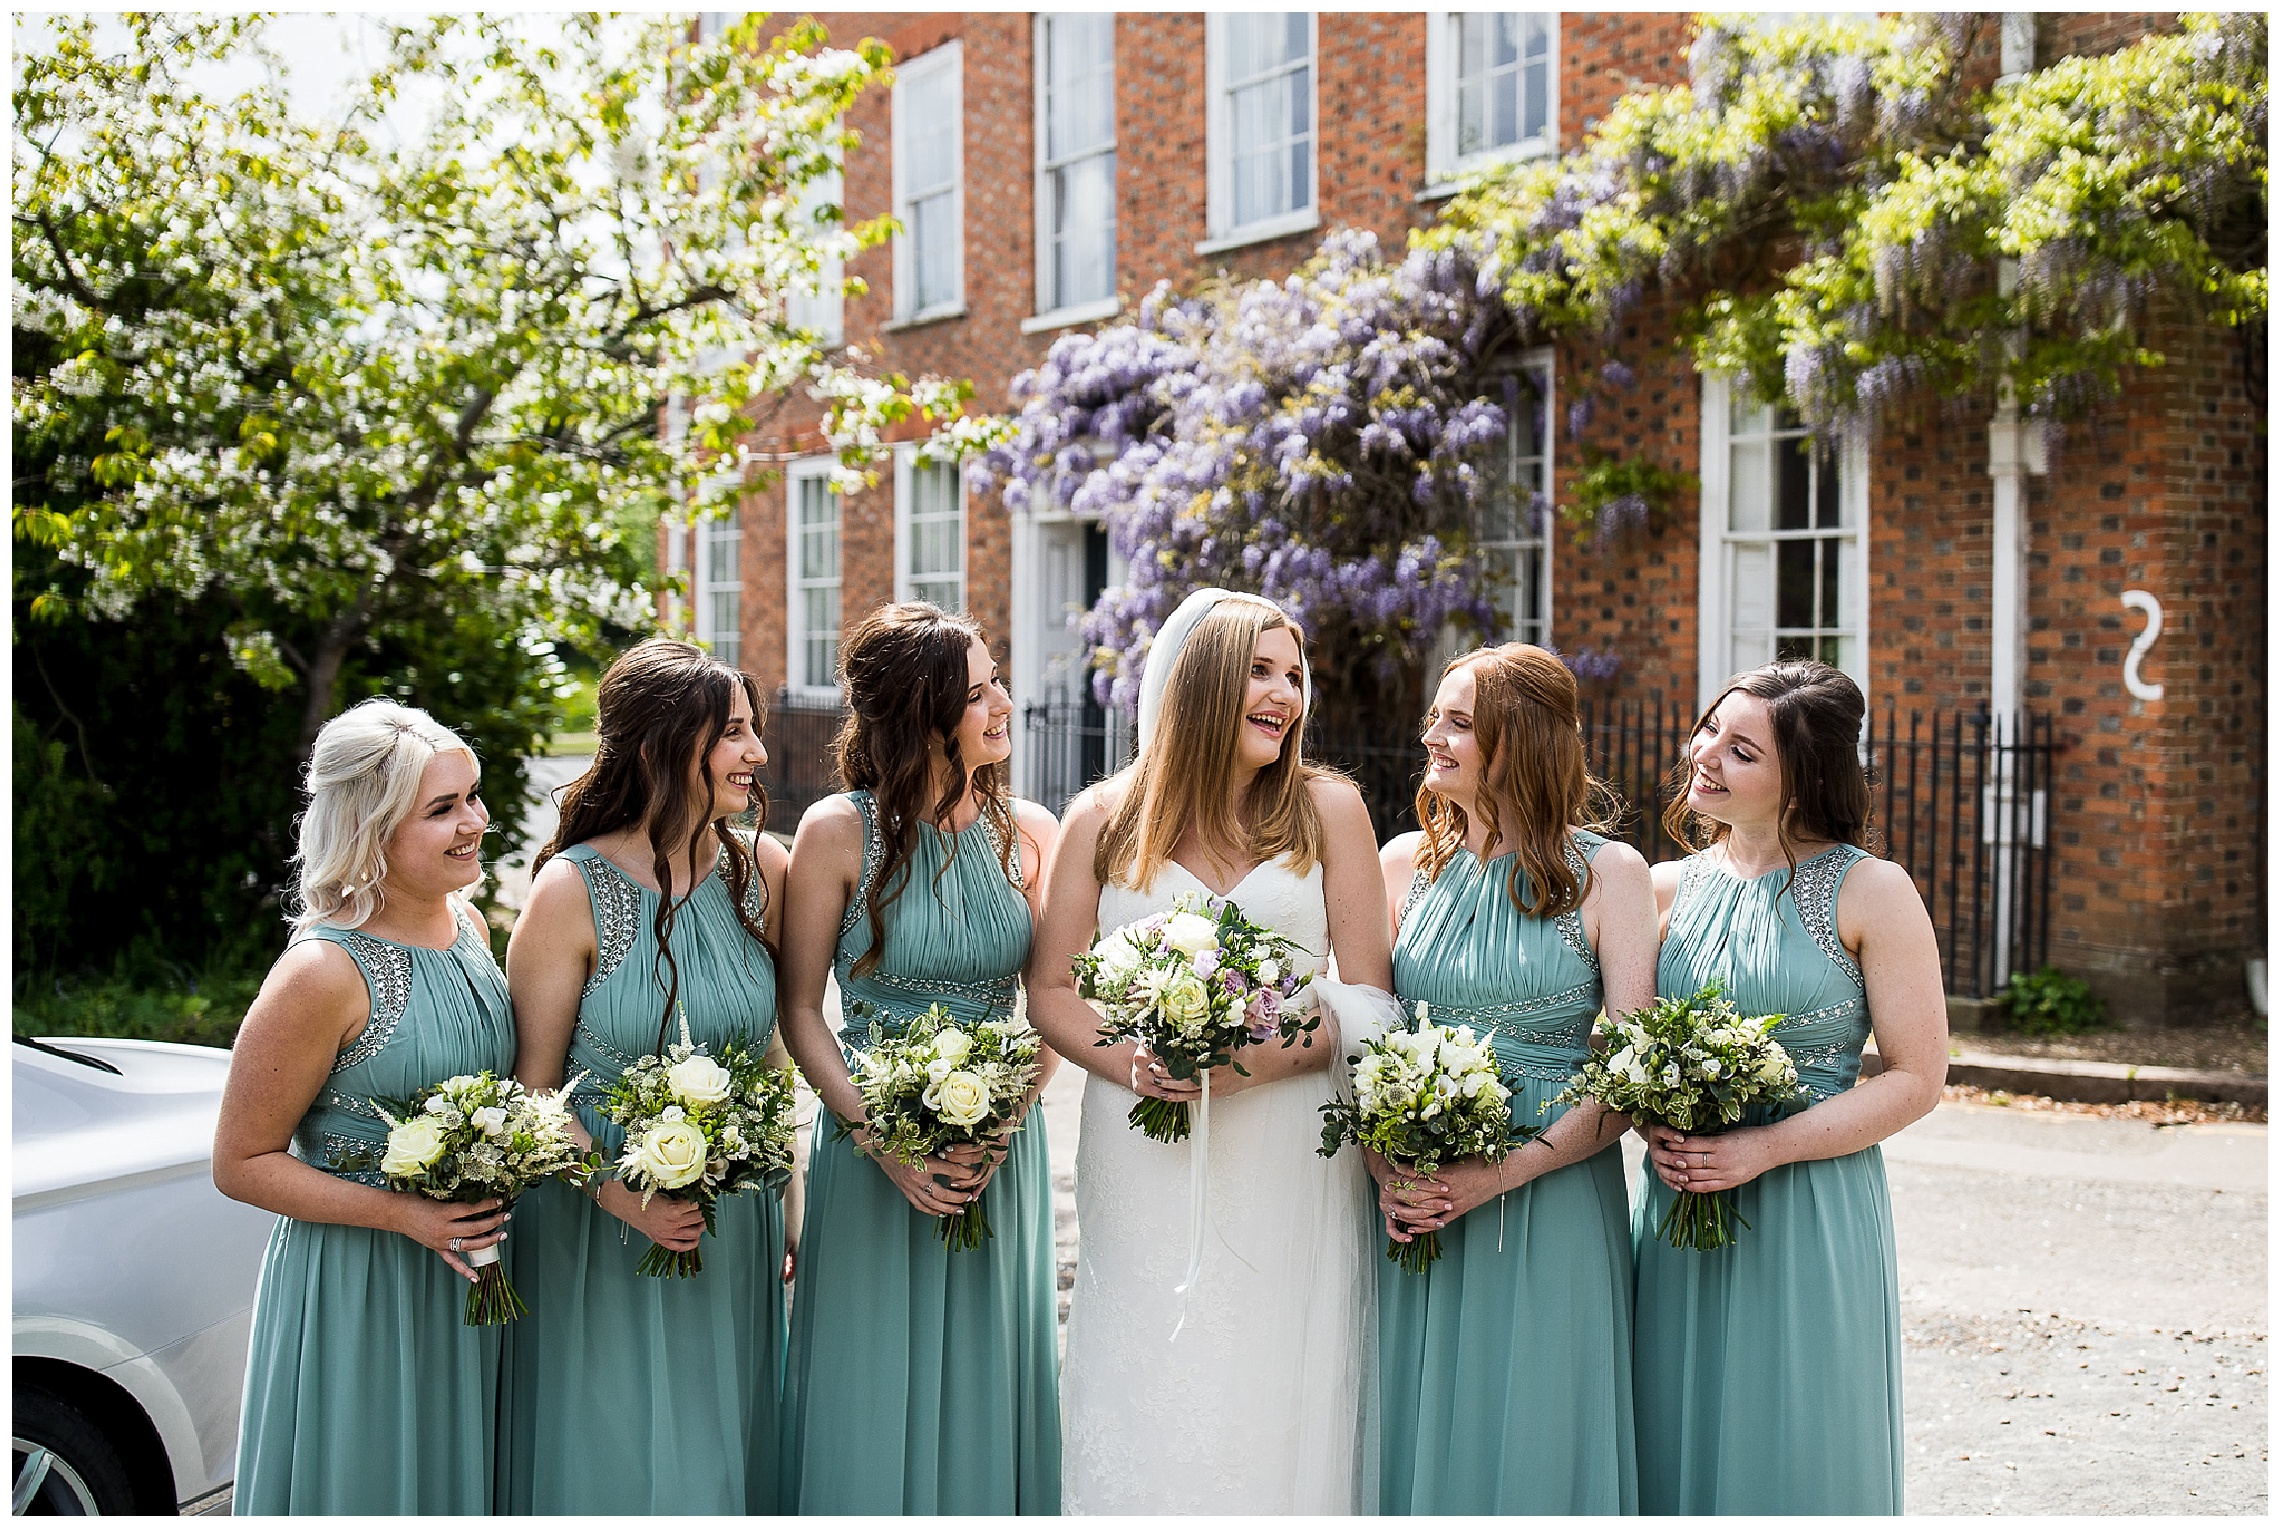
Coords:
1263,1402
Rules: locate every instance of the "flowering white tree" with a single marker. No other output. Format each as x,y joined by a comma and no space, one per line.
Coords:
347,387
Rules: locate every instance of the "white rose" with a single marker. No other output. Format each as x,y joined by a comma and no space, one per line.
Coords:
1117,954
490,1119
1184,1000
938,1069
1710,1069
1190,933
1270,971
438,1104
699,1081
953,1045
960,1099
414,1145
669,1155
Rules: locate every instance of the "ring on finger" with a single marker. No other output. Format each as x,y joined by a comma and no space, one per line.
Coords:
457,1242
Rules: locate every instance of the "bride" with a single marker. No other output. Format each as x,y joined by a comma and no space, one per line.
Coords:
1250,1393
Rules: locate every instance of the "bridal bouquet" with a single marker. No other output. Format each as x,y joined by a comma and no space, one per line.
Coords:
1424,1096
1194,984
945,1082
701,1127
471,1138
1692,1063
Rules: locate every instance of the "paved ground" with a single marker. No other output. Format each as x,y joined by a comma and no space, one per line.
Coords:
2084,1308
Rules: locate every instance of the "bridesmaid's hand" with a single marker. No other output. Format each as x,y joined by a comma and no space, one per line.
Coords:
791,1261
1708,1164
1411,1202
674,1224
450,1229
937,1186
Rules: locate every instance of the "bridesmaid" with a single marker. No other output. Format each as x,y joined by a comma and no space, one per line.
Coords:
627,1393
1768,1373
1505,1368
921,1379
364,1392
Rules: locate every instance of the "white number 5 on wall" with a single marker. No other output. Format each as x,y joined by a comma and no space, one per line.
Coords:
2138,599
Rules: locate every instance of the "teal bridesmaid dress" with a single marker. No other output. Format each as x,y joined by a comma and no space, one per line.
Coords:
923,1380
1768,1372
364,1390
626,1393
1505,1367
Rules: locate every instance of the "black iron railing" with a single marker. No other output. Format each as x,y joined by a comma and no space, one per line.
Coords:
798,733
1962,800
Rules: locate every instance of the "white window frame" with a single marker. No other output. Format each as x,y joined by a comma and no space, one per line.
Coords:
1541,362
907,468
1052,313
796,631
712,532
824,310
1219,147
1715,638
1445,169
947,58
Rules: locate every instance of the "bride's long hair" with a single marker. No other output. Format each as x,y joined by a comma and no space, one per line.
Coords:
1187,763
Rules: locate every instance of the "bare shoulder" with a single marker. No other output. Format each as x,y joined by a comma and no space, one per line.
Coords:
769,853
1089,810
315,992
1039,824
557,893
1665,875
1876,889
1340,803
1619,865
1399,856
834,823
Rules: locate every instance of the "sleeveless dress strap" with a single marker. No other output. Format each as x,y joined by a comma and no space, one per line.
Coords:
616,900
387,970
1418,881
1815,887
755,889
874,850
997,847
1571,922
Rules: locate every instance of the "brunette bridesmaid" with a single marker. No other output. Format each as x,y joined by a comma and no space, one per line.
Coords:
1767,1373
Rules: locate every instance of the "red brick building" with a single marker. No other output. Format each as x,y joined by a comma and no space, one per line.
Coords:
1048,170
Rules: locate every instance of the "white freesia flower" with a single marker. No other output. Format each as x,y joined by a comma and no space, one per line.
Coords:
490,1119
439,1104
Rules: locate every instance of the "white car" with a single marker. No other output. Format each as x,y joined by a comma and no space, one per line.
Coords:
133,1278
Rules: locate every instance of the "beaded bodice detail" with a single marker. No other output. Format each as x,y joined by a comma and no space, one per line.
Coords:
1469,952
434,1014
727,980
956,931
1771,942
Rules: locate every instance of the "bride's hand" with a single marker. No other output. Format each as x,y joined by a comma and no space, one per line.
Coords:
1151,1079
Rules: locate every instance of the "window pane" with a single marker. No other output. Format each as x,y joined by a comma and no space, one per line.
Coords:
1301,96
1507,37
1084,221
1294,35
932,231
1793,597
1532,121
1752,589
1792,505
1506,99
1830,614
1827,488
1080,109
1472,45
929,138
1748,490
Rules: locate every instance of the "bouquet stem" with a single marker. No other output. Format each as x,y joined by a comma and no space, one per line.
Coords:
664,1263
1702,1222
967,1229
1417,1254
1161,1118
491,1299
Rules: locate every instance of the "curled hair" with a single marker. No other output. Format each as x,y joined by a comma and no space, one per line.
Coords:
1531,747
1816,712
363,780
1182,776
660,709
905,669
